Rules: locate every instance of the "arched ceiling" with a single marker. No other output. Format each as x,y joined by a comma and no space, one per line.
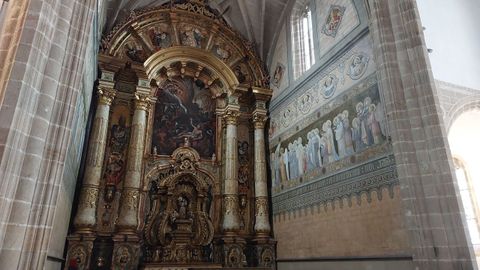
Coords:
257,20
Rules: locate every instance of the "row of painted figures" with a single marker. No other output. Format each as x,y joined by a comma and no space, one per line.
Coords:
336,141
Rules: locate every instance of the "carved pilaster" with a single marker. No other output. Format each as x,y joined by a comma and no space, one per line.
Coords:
128,221
231,220
262,224
85,219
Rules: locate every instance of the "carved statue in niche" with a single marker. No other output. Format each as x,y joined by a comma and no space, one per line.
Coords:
243,169
179,228
119,137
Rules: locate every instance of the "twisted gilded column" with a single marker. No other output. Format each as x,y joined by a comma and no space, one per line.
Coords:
127,219
85,219
262,224
231,220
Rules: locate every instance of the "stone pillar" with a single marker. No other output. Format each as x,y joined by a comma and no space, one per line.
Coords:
262,224
127,219
85,219
432,208
231,221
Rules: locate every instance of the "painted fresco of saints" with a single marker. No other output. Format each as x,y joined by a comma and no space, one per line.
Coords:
134,53
358,66
159,39
192,38
328,86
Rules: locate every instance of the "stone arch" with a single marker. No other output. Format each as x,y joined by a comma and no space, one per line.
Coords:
461,106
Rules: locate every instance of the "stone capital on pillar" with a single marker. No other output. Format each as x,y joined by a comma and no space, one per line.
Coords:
106,95
231,115
259,119
142,101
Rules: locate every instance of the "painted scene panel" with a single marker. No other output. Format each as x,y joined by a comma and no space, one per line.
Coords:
184,111
350,129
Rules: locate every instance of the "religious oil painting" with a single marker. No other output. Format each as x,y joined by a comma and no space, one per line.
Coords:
185,111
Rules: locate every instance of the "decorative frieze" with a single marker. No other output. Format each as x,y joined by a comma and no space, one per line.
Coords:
365,178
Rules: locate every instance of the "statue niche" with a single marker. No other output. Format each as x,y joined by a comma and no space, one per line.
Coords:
179,229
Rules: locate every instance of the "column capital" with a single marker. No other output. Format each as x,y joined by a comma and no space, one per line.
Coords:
259,119
142,101
106,95
231,116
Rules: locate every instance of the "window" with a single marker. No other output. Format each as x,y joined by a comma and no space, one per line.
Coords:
470,206
302,38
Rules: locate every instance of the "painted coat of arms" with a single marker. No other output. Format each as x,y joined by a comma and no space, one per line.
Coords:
334,18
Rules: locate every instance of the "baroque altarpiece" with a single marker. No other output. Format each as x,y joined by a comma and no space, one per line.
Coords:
175,172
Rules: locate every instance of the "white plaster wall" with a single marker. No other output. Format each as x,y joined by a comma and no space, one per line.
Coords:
452,31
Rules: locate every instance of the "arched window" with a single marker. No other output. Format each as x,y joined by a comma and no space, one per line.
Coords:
467,193
463,140
302,38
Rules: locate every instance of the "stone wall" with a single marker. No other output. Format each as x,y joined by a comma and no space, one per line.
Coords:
370,226
45,88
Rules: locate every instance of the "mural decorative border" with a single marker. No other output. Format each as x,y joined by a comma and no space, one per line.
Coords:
295,121
364,178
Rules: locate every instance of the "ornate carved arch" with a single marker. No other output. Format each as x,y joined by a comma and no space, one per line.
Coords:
186,32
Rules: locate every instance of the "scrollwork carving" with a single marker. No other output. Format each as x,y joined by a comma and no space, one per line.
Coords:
178,229
235,256
124,257
261,206
231,204
88,197
78,255
267,257
131,199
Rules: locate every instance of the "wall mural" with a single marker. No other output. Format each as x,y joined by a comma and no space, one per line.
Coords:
347,130
184,110
347,72
278,75
160,36
334,18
